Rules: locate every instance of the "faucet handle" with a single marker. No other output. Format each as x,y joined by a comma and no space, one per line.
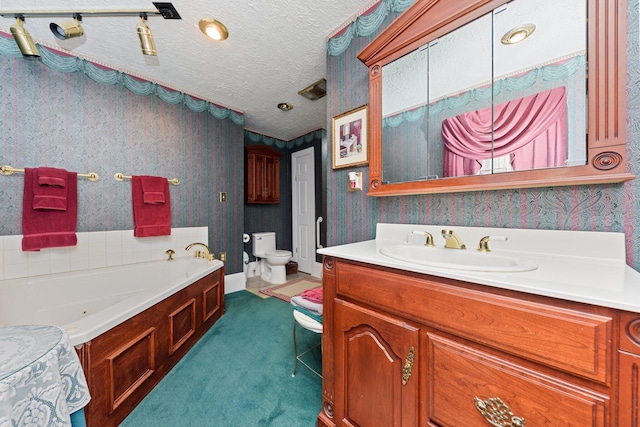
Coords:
428,239
483,245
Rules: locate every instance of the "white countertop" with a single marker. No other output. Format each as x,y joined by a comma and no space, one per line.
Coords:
577,266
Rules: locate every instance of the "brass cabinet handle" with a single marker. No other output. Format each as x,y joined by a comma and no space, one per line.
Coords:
408,366
497,412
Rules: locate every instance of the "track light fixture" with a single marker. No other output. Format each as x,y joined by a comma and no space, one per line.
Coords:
23,39
70,29
146,38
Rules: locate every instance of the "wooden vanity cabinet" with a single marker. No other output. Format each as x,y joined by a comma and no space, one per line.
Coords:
262,178
407,349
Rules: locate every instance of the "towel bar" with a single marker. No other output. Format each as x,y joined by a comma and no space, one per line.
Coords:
8,170
122,177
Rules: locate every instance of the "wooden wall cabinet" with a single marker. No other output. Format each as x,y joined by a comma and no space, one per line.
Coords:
408,349
262,178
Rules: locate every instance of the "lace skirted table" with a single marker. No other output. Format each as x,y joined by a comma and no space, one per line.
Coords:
41,378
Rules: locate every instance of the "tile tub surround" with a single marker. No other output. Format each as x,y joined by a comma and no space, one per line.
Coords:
94,250
579,266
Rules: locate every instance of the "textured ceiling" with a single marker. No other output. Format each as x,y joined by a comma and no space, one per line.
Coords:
275,48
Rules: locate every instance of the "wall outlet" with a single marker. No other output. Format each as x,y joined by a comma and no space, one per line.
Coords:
223,197
223,256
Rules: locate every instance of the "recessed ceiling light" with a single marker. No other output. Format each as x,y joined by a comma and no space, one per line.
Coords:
517,34
285,106
213,29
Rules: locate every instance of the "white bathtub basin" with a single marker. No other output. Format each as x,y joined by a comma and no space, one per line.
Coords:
87,303
458,259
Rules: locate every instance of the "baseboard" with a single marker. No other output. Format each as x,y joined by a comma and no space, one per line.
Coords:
234,283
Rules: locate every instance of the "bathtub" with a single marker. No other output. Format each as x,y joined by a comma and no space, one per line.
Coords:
88,303
130,324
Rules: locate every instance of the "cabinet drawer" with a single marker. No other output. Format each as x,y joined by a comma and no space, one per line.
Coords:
572,340
458,374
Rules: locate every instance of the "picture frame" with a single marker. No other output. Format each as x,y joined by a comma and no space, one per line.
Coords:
350,138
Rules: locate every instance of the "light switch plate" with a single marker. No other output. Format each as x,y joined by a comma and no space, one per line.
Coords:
223,197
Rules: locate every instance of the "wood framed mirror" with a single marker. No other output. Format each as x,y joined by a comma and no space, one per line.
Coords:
426,21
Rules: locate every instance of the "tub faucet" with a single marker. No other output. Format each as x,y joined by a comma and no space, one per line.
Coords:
452,240
205,254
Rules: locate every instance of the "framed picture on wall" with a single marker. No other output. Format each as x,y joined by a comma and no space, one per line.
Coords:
350,146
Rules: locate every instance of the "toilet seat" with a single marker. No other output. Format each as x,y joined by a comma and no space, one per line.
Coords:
278,253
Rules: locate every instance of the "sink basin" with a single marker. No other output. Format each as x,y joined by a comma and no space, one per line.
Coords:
458,259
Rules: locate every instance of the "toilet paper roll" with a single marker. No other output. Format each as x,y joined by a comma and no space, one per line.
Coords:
245,238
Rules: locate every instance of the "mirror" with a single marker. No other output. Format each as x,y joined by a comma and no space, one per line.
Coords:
443,99
453,109
421,88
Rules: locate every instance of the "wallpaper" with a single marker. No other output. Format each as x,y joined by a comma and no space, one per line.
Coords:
352,216
68,120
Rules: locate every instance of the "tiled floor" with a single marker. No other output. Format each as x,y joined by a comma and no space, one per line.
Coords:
255,284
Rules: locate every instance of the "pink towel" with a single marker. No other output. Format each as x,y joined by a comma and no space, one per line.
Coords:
49,189
52,176
313,295
49,212
153,189
151,218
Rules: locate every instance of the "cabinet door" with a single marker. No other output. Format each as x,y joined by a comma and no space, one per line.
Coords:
628,410
251,187
629,371
466,387
272,180
261,178
376,368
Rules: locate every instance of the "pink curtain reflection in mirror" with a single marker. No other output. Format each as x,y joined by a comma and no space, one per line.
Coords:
531,130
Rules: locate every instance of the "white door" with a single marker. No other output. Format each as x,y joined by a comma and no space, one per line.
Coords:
303,209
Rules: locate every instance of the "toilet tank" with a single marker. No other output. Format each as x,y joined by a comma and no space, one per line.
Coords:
263,242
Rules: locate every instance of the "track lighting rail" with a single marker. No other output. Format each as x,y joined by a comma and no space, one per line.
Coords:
63,13
166,10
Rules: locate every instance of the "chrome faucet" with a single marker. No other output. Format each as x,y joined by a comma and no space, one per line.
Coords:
452,240
205,254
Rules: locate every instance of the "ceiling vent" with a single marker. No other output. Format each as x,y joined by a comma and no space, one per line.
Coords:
315,91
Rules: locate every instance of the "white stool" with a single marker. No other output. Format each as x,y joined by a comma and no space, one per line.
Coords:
311,325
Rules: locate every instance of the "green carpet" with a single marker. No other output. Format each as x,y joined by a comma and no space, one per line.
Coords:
239,374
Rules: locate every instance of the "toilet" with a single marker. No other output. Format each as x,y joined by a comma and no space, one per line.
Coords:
272,261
